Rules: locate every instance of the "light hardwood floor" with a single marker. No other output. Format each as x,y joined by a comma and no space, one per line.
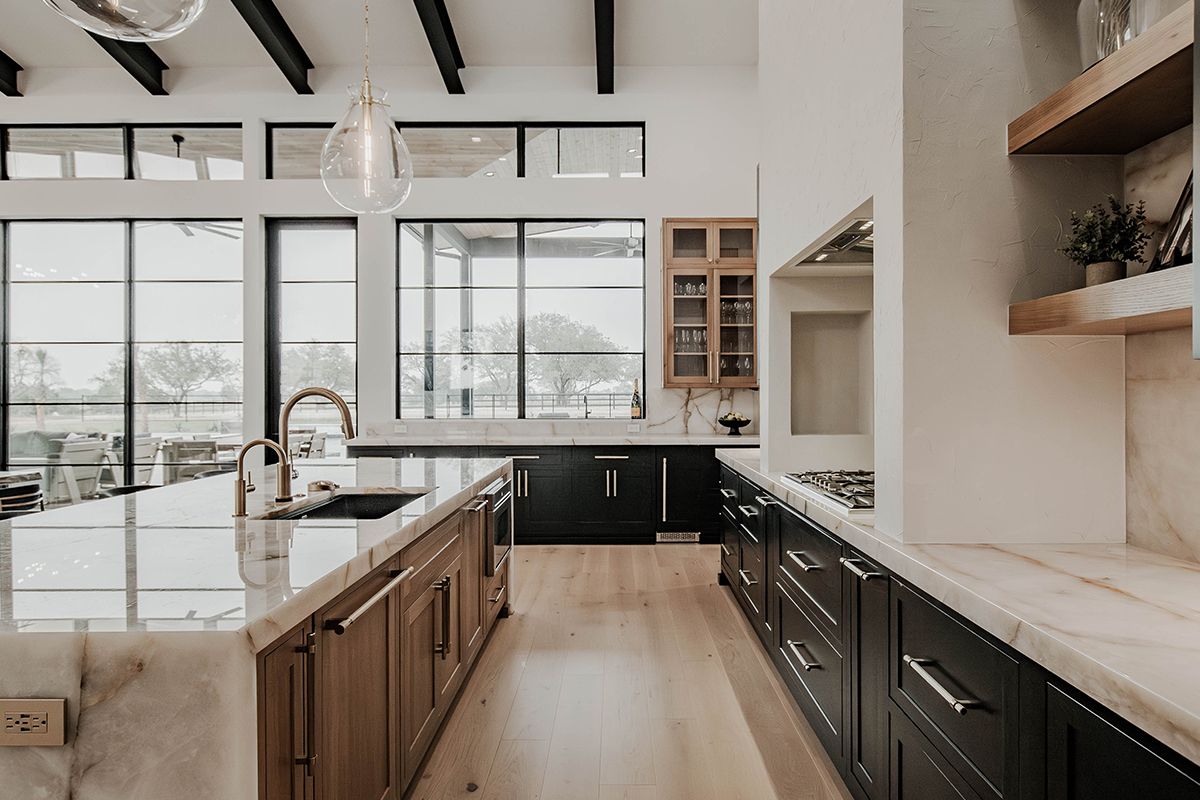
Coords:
626,673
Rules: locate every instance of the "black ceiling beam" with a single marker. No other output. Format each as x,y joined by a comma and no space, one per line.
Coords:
440,33
281,44
138,60
605,46
8,76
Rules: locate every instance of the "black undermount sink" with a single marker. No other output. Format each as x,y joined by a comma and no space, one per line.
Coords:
352,506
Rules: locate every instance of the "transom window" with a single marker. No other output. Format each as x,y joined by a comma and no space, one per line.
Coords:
520,319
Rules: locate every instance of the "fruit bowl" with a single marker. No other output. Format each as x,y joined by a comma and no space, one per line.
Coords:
734,425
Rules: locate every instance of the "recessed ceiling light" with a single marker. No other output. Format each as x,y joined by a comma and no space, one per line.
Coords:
476,139
633,150
822,257
640,138
504,158
637,156
490,174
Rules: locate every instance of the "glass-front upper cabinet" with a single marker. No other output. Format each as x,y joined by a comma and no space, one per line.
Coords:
710,242
737,312
688,345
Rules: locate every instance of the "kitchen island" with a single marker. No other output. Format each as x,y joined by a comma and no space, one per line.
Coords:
154,614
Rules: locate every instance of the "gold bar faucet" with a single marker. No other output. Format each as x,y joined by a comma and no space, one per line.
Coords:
283,476
313,391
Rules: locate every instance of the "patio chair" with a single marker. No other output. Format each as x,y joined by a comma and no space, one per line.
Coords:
76,472
182,460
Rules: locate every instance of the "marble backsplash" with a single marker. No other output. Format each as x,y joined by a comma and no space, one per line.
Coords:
1162,382
669,411
1162,448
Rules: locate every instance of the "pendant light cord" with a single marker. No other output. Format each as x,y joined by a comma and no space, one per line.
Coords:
367,38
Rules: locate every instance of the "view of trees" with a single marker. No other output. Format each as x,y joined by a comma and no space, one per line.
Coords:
593,366
314,364
172,373
36,378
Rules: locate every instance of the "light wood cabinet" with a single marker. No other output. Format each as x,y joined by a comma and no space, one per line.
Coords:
285,771
471,618
710,306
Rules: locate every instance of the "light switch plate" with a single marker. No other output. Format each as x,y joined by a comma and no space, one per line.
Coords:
399,427
633,427
33,723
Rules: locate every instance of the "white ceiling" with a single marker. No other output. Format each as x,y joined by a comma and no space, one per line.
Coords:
490,33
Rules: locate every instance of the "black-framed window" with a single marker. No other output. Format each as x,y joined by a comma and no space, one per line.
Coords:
481,150
122,347
192,151
520,319
312,324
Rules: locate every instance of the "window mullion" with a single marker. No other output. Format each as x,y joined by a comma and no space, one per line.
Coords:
521,309
127,448
4,398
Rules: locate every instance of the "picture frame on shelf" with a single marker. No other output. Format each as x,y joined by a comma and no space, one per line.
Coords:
1175,249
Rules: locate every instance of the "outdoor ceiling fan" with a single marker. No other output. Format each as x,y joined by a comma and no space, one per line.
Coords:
216,228
633,247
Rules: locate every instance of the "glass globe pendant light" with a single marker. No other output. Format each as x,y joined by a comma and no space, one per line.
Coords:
131,20
365,164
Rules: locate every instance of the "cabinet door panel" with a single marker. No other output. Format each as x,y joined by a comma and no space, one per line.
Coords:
735,243
450,664
729,546
358,695
869,680
688,495
918,770
809,563
688,344
1087,757
687,242
418,699
471,609
285,719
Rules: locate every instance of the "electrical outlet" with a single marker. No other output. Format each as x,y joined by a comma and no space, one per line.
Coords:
399,427
633,427
32,723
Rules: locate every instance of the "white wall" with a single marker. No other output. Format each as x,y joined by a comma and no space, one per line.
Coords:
701,152
978,436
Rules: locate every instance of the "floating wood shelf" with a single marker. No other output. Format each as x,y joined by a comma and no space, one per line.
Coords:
1139,94
1156,301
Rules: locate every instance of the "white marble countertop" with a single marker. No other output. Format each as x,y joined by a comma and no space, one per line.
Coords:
1120,623
174,559
536,440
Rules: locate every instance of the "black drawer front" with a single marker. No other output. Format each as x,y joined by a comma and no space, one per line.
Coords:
729,543
639,460
930,649
810,563
1087,757
752,579
918,770
801,643
729,490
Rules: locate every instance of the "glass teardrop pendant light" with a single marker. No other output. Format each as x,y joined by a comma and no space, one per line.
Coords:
365,164
131,20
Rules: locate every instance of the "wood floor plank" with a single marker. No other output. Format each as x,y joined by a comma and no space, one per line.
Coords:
680,764
536,701
573,766
727,738
666,687
645,570
628,793
626,750
518,771
691,629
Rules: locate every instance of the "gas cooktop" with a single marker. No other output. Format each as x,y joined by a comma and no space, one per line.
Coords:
850,490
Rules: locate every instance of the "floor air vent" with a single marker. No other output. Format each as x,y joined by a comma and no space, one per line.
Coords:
678,537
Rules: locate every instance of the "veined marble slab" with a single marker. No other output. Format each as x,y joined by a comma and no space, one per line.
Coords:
1118,622
519,440
146,613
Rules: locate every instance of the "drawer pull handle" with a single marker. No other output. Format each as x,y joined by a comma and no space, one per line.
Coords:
804,662
918,665
524,458
726,550
443,647
339,626
859,571
611,458
728,494
766,500
746,580
794,555
499,594
748,511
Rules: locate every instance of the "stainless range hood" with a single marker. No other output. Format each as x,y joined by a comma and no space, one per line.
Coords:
852,243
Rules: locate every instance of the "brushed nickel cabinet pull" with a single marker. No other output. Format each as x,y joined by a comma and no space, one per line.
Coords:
614,483
309,674
746,580
340,626
766,500
728,494
611,458
726,550
524,458
794,555
499,594
748,511
804,662
479,507
859,571
608,483
918,665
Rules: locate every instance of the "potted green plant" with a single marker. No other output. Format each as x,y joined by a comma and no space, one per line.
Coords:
1103,239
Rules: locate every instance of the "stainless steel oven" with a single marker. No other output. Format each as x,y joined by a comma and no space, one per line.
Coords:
499,521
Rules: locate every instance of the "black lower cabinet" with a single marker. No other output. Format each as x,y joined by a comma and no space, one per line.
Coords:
868,606
910,700
918,770
687,495
1089,758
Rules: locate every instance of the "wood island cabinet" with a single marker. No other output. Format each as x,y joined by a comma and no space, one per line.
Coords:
351,700
710,307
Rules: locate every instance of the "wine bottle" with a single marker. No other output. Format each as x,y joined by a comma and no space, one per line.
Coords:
635,406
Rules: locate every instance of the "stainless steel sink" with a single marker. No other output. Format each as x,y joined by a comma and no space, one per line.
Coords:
350,503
